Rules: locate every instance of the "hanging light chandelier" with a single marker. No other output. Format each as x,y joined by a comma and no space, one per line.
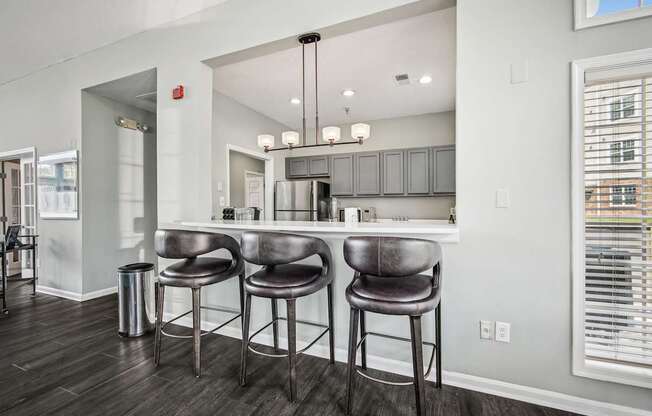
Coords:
331,135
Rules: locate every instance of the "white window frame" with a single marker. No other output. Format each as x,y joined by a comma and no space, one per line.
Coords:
582,21
613,372
622,195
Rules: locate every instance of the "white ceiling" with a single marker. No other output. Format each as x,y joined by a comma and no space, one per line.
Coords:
138,90
365,61
38,33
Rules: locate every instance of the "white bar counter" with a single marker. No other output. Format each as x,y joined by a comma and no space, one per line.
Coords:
439,230
385,355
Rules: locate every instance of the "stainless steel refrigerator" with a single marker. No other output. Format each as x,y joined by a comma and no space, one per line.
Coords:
301,200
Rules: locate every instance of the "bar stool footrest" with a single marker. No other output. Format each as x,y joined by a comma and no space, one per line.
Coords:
301,351
210,308
361,372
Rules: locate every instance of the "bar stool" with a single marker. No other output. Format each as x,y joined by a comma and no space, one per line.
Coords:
387,281
194,272
279,278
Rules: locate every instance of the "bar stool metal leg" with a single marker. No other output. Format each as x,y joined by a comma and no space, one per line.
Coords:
292,346
196,329
363,345
242,298
353,341
331,319
160,296
417,364
245,339
438,343
275,324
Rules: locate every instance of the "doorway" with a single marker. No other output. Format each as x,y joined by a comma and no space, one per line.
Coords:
18,206
250,176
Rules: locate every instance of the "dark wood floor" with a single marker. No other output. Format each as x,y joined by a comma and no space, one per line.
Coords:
62,357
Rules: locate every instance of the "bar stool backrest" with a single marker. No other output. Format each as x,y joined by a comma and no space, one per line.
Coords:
270,249
391,256
185,244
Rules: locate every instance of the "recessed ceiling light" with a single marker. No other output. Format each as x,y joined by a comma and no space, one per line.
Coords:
295,100
426,79
348,93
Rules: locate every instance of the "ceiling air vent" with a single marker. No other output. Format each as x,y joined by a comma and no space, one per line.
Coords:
402,79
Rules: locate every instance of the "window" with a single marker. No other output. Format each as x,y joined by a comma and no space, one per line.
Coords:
622,195
612,218
623,107
601,12
622,151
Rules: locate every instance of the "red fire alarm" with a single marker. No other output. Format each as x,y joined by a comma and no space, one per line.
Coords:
177,93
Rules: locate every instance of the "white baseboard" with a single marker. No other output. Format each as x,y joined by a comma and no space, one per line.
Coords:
76,296
99,293
60,293
484,385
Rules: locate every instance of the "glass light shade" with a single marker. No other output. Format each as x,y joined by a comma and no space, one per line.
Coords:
265,141
290,138
360,131
331,134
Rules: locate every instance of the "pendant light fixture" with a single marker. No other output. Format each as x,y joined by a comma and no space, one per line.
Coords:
330,134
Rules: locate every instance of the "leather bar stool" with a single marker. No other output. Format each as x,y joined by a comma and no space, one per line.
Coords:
387,281
194,272
280,278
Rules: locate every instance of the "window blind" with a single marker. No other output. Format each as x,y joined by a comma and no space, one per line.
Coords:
618,220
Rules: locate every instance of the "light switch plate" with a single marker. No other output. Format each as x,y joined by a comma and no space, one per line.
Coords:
503,331
486,330
519,72
220,187
502,198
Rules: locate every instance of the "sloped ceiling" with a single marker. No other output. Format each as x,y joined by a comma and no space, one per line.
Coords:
35,34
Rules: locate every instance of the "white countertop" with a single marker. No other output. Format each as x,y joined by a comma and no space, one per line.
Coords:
434,228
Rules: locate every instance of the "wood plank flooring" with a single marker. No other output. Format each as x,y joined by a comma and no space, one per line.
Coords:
60,357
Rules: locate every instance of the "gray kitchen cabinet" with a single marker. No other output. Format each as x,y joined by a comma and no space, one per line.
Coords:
417,171
342,174
296,167
393,168
367,173
443,168
318,166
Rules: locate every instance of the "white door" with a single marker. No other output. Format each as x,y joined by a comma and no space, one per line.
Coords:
12,207
255,190
28,210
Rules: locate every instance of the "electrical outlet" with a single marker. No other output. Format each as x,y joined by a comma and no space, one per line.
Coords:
503,331
502,198
222,201
486,330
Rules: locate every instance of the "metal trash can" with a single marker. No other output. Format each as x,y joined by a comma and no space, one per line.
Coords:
136,302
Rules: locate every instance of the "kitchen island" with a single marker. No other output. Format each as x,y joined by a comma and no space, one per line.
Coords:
386,355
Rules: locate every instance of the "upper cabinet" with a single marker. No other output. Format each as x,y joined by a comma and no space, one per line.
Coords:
367,173
306,167
443,168
393,168
342,174
419,171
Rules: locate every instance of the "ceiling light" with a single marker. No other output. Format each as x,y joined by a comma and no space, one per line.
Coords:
265,141
360,132
348,93
290,138
295,101
426,79
331,134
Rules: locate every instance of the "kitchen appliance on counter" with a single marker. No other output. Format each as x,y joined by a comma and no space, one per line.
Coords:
241,214
343,217
301,200
363,214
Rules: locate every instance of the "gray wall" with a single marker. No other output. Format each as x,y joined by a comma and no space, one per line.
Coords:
513,264
118,192
238,164
234,123
396,133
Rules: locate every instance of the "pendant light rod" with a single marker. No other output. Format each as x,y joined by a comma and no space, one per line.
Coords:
303,88
316,98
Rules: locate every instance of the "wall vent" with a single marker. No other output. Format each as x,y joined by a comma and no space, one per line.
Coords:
402,79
